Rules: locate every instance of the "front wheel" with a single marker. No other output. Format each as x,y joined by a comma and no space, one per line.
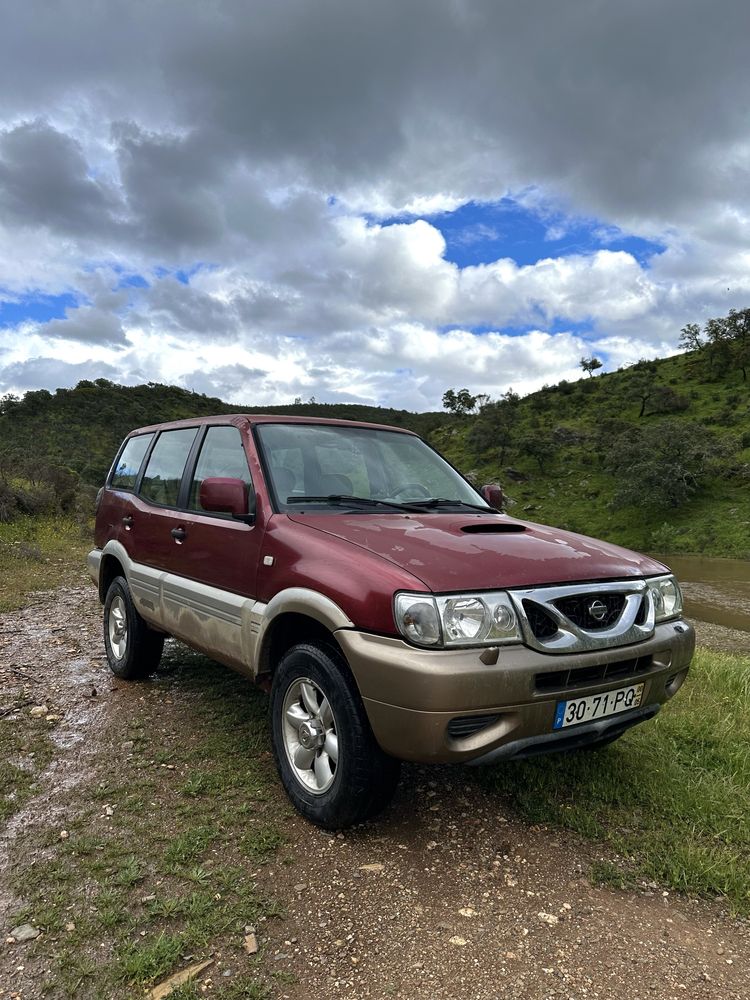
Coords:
329,762
133,649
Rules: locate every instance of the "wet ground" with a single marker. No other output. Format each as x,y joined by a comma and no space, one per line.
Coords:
716,591
445,896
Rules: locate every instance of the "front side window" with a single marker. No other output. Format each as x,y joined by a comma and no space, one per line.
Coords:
128,464
163,475
319,462
222,455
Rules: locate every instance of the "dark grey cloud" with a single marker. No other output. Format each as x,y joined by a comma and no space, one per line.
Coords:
44,181
635,111
48,373
88,325
227,381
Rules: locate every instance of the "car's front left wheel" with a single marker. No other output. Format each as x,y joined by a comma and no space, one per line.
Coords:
329,761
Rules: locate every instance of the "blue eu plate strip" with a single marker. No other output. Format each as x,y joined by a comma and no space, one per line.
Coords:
559,715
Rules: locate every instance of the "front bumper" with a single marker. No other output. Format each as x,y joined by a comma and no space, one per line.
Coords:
412,695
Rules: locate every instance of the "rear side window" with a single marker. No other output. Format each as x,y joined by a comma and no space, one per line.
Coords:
129,463
221,455
161,480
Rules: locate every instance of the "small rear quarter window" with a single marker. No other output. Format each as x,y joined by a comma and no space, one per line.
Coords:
128,464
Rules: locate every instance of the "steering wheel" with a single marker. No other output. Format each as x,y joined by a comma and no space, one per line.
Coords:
421,491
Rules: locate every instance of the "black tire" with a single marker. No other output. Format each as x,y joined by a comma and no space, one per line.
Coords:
362,777
133,649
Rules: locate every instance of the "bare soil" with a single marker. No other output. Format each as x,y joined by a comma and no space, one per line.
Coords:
447,894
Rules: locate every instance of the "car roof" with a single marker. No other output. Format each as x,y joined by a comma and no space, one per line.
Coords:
251,419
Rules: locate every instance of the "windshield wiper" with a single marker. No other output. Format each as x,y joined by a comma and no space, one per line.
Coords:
445,502
350,501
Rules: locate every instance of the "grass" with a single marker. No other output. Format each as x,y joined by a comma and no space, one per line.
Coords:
171,873
574,491
39,553
672,797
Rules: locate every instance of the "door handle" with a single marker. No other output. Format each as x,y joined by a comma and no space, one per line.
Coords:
179,535
128,522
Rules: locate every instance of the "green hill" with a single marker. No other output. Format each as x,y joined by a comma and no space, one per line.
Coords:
80,429
655,456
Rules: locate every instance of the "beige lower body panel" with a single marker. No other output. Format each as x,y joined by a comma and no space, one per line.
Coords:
411,695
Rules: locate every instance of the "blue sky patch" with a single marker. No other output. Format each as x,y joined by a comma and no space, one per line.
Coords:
35,308
581,329
482,232
132,281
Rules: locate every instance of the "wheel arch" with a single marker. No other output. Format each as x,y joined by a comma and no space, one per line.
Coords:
288,629
114,562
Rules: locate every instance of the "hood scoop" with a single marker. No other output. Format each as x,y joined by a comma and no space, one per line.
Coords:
493,528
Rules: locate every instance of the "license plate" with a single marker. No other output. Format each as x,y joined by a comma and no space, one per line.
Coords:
597,706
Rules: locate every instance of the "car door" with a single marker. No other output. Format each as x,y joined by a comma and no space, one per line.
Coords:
213,565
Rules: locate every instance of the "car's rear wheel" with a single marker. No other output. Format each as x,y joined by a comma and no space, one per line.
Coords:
329,761
133,649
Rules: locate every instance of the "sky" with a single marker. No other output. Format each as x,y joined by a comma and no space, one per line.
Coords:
368,202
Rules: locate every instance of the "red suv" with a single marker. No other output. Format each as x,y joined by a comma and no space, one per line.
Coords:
391,610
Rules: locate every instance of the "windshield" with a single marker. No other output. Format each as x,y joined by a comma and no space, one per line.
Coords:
330,464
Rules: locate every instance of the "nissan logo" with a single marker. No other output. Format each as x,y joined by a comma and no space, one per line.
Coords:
597,609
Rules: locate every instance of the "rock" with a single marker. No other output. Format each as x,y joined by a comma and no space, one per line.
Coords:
148,899
459,941
70,926
127,745
467,911
300,887
52,718
251,944
25,932
375,867
64,835
548,918
39,711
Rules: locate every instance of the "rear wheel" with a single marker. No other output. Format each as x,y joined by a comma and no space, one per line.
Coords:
133,649
330,764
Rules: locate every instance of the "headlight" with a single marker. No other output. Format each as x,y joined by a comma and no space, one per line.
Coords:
457,619
667,597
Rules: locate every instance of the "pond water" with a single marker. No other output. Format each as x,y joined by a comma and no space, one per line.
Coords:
715,590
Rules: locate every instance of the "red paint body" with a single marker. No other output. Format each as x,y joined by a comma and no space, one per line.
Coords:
357,560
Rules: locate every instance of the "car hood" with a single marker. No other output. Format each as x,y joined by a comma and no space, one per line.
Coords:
479,552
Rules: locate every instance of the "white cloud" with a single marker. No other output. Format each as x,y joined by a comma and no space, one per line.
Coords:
261,148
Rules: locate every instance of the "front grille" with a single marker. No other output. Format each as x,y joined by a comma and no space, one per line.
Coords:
560,680
577,607
542,625
466,725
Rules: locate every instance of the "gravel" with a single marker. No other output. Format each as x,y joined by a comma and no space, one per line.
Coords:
447,894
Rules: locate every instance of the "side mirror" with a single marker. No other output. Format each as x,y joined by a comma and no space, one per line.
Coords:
494,495
227,496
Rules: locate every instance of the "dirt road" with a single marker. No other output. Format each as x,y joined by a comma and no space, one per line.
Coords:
447,895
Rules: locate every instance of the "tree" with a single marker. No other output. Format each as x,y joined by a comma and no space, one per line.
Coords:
719,337
540,447
495,425
738,325
642,385
664,464
690,337
590,365
460,403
